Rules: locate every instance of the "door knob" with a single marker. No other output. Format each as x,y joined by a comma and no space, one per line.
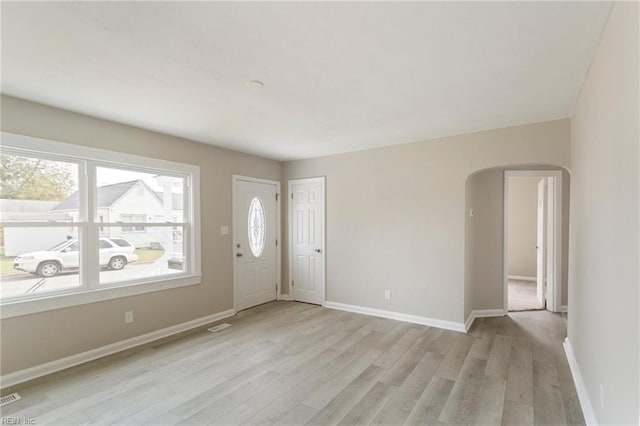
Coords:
318,250
238,254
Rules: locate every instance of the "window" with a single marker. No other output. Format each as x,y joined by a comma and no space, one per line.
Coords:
133,218
121,243
118,226
256,229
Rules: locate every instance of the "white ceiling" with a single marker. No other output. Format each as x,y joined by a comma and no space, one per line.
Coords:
337,76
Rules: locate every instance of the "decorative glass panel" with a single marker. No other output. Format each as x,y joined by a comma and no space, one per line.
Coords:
256,227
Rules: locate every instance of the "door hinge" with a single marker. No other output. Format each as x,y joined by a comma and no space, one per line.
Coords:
277,196
291,283
276,242
292,195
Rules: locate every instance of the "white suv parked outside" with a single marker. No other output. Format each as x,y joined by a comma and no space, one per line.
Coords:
115,253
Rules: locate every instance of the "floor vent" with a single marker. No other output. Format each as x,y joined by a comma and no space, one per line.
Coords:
9,399
219,327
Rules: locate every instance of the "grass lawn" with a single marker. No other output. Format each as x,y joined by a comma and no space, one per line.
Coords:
6,266
148,255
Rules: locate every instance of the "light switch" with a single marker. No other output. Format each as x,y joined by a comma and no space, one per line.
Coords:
224,230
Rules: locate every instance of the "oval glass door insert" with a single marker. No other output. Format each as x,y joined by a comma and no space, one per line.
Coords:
256,222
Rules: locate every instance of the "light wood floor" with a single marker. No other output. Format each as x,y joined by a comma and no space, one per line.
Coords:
293,363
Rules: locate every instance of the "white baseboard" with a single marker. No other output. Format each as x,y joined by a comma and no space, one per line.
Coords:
482,313
469,322
415,319
583,395
564,309
522,278
31,373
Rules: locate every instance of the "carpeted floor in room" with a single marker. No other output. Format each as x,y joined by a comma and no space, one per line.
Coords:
522,296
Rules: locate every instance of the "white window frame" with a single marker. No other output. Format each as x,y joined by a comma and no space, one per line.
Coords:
88,159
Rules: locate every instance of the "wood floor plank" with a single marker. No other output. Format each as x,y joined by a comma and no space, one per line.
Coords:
548,407
404,399
299,415
499,357
238,415
125,402
461,406
221,406
339,406
359,367
405,365
516,413
491,403
452,363
483,341
570,401
395,352
429,406
520,375
369,405
356,354
445,341
292,363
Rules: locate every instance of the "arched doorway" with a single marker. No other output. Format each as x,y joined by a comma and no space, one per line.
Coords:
486,240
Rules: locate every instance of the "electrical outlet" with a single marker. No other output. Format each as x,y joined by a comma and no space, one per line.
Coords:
387,294
224,230
601,396
128,317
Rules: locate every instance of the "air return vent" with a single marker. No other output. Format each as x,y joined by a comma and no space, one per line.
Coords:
219,327
9,399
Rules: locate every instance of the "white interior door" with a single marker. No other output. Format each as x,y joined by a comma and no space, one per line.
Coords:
541,241
552,244
254,235
307,254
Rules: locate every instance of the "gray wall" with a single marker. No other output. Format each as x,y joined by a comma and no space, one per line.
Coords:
485,237
604,277
68,331
396,215
523,226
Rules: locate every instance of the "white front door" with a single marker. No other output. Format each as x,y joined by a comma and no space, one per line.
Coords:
306,213
540,242
254,242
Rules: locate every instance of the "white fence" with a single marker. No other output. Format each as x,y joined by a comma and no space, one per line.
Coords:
18,241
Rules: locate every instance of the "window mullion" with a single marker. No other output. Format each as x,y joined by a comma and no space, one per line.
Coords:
91,262
187,217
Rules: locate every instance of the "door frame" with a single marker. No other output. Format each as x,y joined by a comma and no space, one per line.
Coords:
541,239
234,184
323,261
554,242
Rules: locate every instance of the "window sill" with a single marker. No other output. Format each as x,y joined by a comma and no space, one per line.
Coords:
11,309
